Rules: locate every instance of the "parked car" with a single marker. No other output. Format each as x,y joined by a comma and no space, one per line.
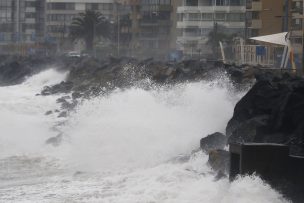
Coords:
73,54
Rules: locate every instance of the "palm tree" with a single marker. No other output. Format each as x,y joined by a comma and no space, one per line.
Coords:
88,26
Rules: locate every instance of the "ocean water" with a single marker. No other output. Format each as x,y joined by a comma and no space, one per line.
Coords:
129,146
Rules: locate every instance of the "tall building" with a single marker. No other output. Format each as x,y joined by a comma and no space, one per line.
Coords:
60,14
151,27
266,17
197,18
297,29
174,19
7,21
22,23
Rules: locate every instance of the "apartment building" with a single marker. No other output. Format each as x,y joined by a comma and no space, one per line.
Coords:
297,29
21,22
151,27
197,18
265,17
60,14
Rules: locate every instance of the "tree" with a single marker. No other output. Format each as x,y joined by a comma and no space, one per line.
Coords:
88,26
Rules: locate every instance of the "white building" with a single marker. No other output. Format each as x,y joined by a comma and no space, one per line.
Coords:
21,21
197,18
60,14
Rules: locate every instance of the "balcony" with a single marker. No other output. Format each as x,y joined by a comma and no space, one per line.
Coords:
209,9
30,9
165,8
154,22
208,24
30,20
201,24
255,6
255,24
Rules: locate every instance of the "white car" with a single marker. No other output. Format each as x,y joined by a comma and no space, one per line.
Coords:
74,54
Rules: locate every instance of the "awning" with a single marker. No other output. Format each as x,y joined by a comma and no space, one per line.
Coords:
279,38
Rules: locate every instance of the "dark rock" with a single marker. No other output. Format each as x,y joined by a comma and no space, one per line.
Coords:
14,70
55,141
48,113
271,112
220,175
76,95
68,106
63,114
248,130
63,87
219,160
212,142
63,99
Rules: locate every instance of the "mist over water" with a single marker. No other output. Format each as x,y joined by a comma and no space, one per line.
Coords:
131,145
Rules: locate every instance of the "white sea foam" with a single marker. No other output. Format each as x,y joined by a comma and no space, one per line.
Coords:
130,146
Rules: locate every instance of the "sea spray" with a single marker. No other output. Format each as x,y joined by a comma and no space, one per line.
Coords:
131,145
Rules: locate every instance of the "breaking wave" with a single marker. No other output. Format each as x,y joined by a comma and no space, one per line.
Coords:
132,145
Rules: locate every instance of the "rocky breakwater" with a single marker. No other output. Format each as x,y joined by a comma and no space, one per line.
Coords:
91,76
271,112
15,69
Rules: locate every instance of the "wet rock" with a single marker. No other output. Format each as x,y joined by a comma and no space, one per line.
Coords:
219,160
220,175
212,142
48,113
63,114
76,95
55,141
14,70
271,112
248,131
68,106
63,87
62,99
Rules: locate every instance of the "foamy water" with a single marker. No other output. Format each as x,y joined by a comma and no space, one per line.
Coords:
129,146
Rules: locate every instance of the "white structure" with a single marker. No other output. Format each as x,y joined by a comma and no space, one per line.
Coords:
21,21
197,18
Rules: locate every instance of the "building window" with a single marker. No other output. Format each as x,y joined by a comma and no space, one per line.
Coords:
220,2
191,2
237,3
61,6
194,17
207,16
220,16
236,17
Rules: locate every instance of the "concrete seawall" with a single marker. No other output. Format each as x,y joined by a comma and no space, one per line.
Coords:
273,164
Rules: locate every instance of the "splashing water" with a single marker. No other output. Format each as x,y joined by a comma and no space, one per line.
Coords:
130,146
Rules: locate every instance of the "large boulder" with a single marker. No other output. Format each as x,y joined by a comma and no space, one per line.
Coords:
219,160
63,87
214,141
272,111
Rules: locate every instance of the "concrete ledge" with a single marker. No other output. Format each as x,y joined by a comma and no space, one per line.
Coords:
272,163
